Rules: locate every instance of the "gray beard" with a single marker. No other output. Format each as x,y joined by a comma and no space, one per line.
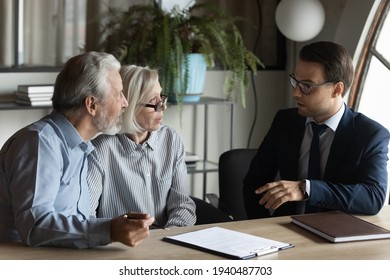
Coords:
106,126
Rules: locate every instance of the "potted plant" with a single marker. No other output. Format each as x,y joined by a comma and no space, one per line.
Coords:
167,40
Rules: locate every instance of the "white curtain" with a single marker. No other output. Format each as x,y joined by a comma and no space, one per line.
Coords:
42,31
51,31
6,33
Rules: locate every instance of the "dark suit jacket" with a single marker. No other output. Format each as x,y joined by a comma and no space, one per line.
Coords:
355,178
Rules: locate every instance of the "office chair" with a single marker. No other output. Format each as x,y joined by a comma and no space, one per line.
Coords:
233,166
207,213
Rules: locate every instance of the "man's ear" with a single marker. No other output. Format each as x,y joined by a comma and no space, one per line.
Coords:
338,89
91,105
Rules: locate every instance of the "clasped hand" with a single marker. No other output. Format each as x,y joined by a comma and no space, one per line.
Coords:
274,194
131,228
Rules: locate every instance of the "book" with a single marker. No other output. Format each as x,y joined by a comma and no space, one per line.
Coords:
30,96
228,243
36,88
338,226
191,158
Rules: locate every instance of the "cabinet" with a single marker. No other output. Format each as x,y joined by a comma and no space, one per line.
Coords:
205,166
202,167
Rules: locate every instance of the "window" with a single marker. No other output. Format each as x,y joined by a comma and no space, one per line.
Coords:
41,33
373,70
370,93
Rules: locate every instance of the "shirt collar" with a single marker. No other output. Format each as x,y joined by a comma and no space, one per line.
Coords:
71,135
131,146
152,140
333,121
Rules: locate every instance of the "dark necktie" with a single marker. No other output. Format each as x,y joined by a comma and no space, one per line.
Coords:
314,158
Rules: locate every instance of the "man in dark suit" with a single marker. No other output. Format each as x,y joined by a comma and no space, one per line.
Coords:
351,175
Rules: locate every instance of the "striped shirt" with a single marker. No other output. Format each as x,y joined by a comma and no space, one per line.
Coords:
149,178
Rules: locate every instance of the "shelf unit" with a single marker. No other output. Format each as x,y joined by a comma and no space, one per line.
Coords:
204,166
14,106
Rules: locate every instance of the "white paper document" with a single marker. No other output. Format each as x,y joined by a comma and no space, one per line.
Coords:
228,243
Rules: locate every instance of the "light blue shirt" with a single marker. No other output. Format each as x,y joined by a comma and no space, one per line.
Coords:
44,199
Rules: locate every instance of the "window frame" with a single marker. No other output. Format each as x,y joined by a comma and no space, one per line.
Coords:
367,52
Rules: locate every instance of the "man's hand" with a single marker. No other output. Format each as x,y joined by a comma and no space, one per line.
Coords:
277,193
131,229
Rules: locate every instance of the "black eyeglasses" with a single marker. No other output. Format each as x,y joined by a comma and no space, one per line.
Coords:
305,88
159,106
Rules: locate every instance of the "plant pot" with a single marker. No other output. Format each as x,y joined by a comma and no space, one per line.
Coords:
197,68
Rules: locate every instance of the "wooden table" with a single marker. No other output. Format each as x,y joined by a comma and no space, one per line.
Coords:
307,245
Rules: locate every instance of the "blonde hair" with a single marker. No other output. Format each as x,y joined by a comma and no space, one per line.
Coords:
138,83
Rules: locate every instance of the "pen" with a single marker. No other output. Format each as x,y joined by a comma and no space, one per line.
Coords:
153,225
265,250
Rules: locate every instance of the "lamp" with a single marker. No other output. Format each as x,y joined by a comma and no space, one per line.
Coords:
168,5
300,20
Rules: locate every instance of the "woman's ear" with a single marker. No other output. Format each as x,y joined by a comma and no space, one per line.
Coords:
91,105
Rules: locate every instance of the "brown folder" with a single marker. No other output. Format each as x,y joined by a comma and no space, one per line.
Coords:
337,226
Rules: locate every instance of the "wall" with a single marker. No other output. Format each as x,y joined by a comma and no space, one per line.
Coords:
12,120
270,97
344,22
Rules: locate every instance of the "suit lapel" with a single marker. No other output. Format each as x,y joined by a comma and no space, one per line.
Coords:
292,151
342,139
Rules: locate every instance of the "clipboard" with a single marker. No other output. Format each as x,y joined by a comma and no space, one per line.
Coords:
228,243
